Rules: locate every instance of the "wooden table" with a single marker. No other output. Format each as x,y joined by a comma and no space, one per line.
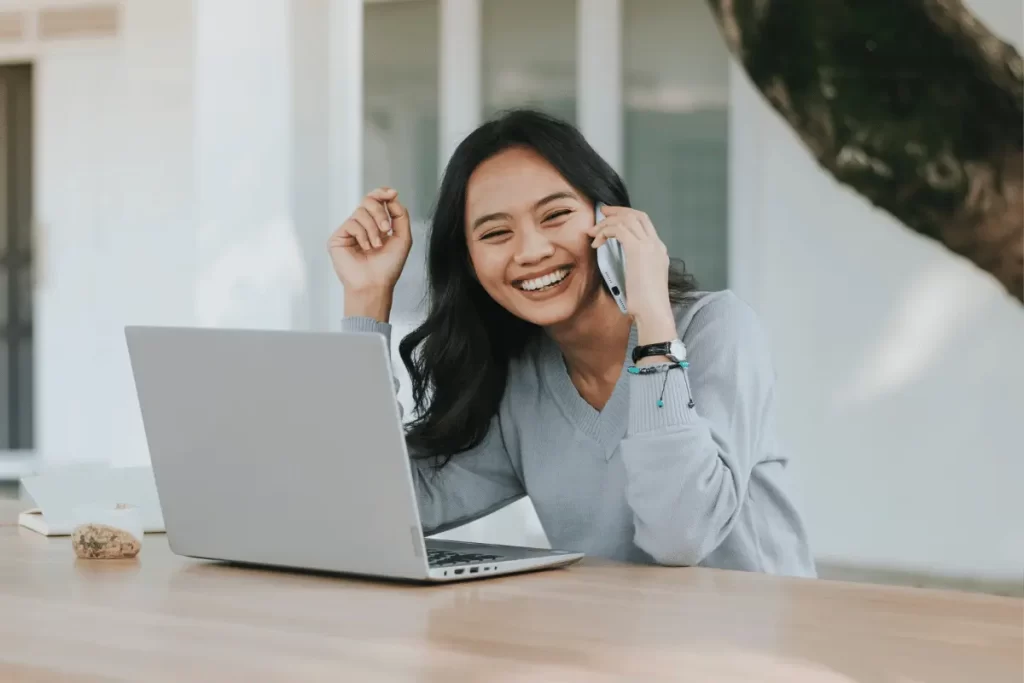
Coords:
164,618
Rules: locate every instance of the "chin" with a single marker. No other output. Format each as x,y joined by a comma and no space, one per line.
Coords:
546,316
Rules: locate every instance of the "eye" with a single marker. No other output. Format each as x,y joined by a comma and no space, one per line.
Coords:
495,234
560,213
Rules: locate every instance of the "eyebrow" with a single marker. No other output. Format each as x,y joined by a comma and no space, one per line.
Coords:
504,216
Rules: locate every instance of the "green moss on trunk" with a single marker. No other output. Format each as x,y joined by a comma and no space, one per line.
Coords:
914,104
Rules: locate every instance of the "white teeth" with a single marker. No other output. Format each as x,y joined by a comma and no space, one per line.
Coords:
544,280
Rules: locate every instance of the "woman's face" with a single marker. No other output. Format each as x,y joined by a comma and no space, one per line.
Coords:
525,231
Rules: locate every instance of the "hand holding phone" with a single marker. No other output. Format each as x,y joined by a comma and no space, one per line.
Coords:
611,261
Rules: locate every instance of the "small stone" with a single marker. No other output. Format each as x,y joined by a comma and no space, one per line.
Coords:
103,542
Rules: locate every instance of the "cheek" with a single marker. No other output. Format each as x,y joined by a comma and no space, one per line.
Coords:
575,237
488,266
577,242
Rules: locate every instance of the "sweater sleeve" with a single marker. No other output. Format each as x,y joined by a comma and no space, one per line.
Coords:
472,484
687,469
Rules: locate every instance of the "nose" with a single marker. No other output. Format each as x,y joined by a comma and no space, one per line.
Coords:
533,246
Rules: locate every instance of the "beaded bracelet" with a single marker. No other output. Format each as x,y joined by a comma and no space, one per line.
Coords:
665,368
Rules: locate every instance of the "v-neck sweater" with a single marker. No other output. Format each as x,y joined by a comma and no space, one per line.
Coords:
648,478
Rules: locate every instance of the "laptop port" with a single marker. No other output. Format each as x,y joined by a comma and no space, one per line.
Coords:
474,570
459,571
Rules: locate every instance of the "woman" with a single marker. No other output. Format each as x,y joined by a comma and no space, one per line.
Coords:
528,379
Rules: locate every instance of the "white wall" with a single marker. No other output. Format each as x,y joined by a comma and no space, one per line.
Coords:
113,206
177,184
249,259
902,377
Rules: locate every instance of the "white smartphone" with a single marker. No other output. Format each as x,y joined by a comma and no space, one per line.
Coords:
611,261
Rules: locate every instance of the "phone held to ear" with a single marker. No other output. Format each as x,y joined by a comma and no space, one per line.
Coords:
611,261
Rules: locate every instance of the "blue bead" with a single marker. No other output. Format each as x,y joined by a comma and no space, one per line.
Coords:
633,371
683,364
661,404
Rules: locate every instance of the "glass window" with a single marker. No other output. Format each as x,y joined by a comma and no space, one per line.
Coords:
529,56
676,92
400,139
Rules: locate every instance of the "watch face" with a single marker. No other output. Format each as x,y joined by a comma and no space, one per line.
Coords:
677,351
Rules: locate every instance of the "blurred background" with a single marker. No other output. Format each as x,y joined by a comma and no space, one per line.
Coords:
182,163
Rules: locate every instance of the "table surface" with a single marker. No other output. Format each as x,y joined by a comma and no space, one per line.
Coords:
165,618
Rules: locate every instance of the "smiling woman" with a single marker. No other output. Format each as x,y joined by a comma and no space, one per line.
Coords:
646,436
515,203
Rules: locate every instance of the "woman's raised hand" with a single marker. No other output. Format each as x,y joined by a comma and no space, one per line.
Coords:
369,250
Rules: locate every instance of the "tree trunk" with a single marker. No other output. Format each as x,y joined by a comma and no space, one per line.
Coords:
914,104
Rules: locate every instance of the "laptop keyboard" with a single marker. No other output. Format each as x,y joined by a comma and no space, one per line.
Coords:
447,558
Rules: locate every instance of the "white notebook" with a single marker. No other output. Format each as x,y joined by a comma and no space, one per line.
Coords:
59,492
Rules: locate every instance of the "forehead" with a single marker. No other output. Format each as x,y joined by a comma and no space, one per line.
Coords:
511,181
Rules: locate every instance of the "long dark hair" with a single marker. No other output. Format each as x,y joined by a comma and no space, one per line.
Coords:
463,348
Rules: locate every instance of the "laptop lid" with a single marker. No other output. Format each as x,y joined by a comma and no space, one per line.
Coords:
278,448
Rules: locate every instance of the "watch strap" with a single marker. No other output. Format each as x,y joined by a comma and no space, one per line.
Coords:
648,350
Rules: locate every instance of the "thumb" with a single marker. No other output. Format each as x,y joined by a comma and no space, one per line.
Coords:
399,218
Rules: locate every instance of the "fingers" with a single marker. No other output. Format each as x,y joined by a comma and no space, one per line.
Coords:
600,232
607,230
626,225
383,194
622,222
372,225
364,229
378,213
623,229
399,218
636,219
397,214
342,237
632,222
646,224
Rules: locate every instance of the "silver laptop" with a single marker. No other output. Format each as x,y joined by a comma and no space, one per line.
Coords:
286,449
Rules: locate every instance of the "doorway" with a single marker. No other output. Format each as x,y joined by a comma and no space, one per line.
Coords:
17,430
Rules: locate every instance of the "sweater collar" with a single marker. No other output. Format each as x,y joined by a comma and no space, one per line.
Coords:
607,426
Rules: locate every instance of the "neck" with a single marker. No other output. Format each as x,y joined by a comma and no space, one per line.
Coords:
593,342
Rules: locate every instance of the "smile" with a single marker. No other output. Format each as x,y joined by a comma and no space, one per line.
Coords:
543,282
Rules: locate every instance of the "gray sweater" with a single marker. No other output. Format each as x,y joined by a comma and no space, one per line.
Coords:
634,482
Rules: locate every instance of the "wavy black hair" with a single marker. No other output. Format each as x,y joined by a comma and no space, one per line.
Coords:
458,358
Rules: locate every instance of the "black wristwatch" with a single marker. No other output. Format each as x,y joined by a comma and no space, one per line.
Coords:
674,350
